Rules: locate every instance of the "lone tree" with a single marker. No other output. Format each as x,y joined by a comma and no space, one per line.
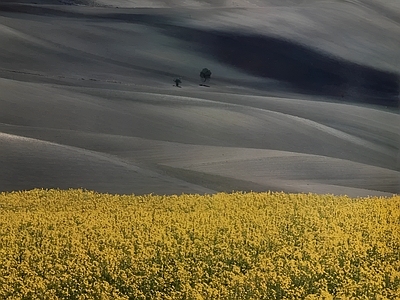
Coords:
177,81
205,74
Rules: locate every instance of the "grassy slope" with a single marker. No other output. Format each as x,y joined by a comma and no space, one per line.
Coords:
100,80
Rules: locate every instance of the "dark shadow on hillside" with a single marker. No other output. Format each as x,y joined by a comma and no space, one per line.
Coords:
33,9
305,69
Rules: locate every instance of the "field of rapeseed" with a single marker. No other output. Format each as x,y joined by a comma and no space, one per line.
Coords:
83,245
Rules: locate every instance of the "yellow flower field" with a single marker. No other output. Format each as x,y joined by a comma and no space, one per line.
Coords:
79,244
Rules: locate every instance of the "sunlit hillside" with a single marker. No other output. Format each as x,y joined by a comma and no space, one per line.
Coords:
303,96
78,244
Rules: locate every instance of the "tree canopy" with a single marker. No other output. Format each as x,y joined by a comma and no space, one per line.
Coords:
205,74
